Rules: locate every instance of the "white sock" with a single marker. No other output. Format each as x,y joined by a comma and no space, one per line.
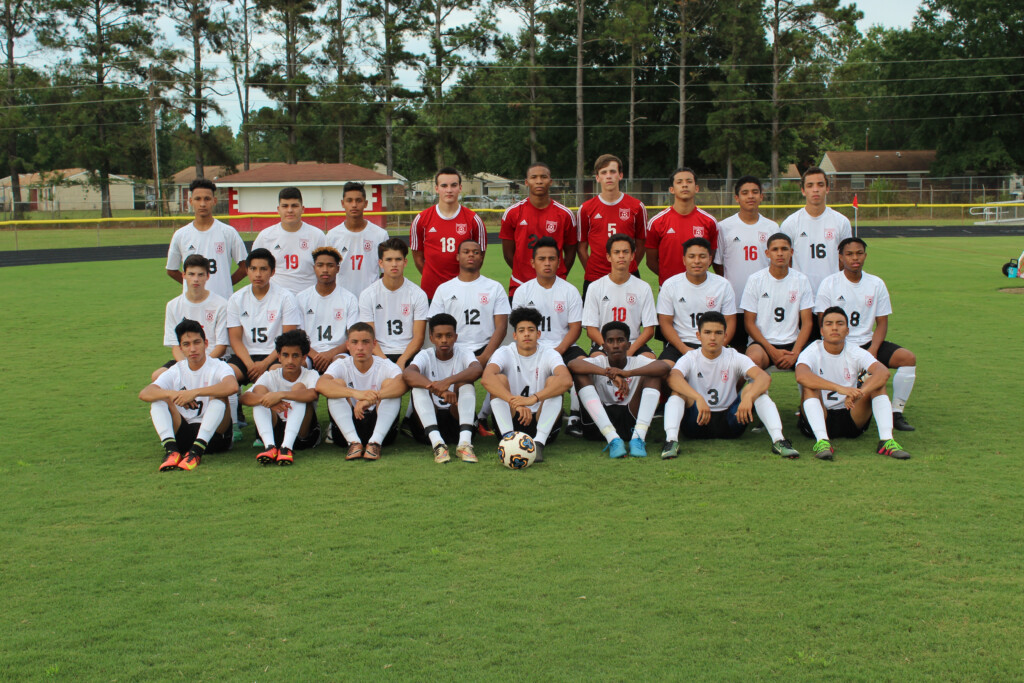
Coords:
427,414
502,415
485,408
387,413
902,385
550,411
769,414
211,419
466,407
293,424
674,408
341,412
648,404
264,420
574,401
881,408
160,412
592,403
408,410
233,404
814,413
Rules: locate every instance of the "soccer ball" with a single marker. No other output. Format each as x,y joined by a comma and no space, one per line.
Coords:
517,451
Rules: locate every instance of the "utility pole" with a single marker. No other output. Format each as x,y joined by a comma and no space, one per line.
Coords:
154,149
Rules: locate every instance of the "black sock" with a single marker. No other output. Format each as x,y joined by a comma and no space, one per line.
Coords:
198,448
170,446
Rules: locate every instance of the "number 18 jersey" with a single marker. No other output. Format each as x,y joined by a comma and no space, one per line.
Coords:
438,237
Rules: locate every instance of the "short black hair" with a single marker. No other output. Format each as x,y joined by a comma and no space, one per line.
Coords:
202,184
683,169
778,236
186,326
696,242
537,164
615,325
196,261
392,244
813,170
525,314
353,186
468,239
290,193
711,317
441,319
362,327
835,309
293,338
744,180
851,240
544,242
619,237
448,170
327,251
263,254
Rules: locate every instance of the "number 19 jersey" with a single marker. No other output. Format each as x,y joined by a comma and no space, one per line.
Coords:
293,254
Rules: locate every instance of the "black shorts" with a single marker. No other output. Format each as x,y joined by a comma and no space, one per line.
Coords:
723,424
171,363
364,429
187,433
671,354
572,353
594,348
838,423
311,440
237,362
885,352
620,417
782,347
393,357
740,338
447,424
531,428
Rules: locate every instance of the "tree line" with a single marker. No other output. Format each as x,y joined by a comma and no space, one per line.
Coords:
746,86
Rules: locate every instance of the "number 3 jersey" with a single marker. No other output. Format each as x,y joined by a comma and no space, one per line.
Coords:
631,303
474,305
392,313
777,304
180,377
326,319
715,378
262,320
526,374
843,368
863,301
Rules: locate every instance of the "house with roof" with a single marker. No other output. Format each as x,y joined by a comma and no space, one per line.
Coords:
68,189
856,170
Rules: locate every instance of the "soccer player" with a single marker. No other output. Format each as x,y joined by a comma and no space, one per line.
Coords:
437,232
621,297
619,393
537,216
188,403
610,212
327,309
206,236
777,308
364,394
816,230
443,393
742,239
356,240
199,304
527,382
704,394
828,373
284,402
865,299
685,298
396,307
292,242
670,229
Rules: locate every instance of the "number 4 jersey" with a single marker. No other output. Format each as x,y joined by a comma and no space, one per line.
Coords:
262,320
715,379
526,374
180,377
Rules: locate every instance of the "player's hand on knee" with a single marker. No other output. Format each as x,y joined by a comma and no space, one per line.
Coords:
703,412
744,413
525,415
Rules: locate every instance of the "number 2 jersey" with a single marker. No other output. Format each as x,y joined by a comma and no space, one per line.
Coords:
326,319
473,305
715,378
631,303
262,320
863,301
438,237
293,254
392,313
606,389
777,304
220,243
560,306
526,374
180,377
843,368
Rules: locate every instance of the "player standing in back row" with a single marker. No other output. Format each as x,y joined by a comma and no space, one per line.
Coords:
356,240
816,230
670,229
292,242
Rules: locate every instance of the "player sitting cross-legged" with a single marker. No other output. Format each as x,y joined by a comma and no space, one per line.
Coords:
284,401
188,403
833,403
609,388
705,383
443,394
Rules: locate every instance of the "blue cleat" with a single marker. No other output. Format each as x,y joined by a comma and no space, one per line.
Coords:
637,447
616,448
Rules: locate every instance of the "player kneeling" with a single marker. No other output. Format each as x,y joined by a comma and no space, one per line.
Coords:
827,372
608,385
197,388
443,394
525,379
705,382
364,394
284,401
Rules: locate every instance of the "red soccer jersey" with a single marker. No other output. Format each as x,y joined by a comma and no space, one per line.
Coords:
439,238
600,220
524,223
669,230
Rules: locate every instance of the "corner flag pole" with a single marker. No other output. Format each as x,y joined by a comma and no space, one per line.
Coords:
855,211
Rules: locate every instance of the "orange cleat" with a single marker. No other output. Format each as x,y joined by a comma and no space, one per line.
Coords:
170,462
285,456
267,457
190,461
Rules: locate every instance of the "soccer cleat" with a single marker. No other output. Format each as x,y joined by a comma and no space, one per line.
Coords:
670,450
372,451
784,448
637,447
466,453
268,457
441,454
574,427
355,451
539,453
257,443
616,448
899,423
823,450
482,429
285,456
170,462
190,461
406,428
892,449
236,434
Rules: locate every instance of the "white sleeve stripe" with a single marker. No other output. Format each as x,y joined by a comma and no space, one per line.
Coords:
413,239
481,232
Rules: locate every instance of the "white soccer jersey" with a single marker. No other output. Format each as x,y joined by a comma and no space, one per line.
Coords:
326,319
359,260
816,242
293,254
741,249
606,389
863,302
212,314
526,374
561,305
631,303
474,305
777,304
843,369
687,303
262,320
180,377
220,243
393,313
433,368
345,370
715,379
274,381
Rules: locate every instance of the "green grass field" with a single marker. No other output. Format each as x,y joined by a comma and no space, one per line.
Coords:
727,563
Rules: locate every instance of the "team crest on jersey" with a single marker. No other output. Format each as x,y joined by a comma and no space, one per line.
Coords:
847,375
762,237
698,231
211,314
271,316
367,245
462,228
711,302
484,299
623,214
792,296
303,244
830,234
218,247
725,375
339,313
551,226
559,307
405,309
631,299
868,300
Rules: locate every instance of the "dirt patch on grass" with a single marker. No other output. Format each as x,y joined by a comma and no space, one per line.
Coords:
1012,290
